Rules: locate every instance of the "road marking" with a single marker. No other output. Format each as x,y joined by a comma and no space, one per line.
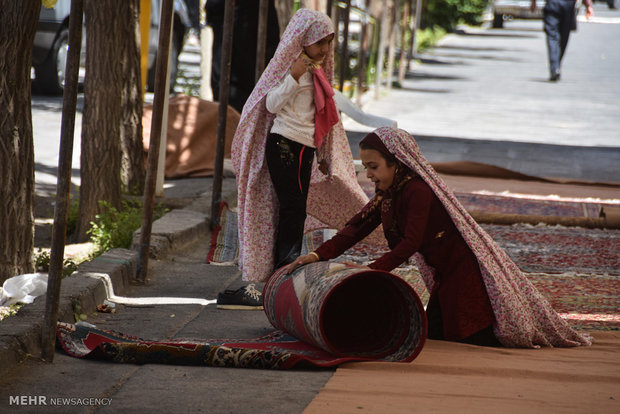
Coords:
146,301
596,19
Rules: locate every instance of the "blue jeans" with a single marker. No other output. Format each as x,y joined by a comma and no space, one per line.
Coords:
559,18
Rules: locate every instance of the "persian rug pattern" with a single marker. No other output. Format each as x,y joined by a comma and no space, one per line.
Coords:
325,313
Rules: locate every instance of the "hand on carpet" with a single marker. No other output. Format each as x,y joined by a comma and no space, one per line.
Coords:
302,260
359,266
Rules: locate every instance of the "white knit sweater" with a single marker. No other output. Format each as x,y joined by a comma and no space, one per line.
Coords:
293,104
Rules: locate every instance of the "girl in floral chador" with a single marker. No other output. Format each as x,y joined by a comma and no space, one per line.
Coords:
283,189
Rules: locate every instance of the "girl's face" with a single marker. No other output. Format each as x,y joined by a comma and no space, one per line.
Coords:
318,51
377,168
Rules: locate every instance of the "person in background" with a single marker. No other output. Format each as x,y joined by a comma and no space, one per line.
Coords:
245,32
559,17
478,294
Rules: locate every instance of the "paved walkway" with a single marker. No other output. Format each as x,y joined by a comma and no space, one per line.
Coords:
483,95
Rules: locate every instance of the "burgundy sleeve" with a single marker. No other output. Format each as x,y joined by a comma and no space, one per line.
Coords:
354,231
417,198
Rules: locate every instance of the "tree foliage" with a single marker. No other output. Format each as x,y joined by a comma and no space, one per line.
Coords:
448,13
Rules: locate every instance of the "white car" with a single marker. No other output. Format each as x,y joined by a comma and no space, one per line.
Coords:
515,9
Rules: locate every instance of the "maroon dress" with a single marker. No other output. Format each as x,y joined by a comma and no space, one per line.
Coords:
414,220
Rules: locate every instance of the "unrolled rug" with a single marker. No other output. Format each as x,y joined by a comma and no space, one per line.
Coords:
577,269
509,208
535,248
325,313
557,249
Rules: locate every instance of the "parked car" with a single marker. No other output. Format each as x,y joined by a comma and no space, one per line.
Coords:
51,42
515,9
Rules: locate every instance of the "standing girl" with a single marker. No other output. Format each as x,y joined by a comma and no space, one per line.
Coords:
289,117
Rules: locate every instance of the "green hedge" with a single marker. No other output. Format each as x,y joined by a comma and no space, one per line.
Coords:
448,13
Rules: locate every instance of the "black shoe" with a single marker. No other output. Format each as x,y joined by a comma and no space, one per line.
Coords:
555,76
244,298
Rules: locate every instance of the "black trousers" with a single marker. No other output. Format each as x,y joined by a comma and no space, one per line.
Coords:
559,19
290,168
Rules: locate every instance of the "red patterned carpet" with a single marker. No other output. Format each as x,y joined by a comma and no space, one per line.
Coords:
577,269
557,249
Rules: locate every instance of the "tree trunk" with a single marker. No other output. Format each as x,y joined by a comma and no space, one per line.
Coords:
100,163
133,170
18,23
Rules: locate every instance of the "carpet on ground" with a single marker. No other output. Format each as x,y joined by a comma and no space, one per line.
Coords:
577,269
325,314
508,208
450,377
191,139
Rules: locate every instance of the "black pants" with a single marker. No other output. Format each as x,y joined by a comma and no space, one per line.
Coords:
559,19
290,167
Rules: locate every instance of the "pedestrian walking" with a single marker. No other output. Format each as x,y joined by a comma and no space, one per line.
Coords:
559,17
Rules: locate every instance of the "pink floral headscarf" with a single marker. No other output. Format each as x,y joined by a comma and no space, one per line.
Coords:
524,318
332,199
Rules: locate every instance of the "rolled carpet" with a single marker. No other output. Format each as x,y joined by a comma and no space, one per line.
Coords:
348,311
326,314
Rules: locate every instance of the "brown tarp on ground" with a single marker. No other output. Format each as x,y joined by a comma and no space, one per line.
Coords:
192,135
449,377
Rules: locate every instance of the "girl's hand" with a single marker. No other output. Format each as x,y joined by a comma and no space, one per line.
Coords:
351,264
298,68
301,260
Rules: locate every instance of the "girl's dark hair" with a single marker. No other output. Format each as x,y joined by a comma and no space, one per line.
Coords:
391,160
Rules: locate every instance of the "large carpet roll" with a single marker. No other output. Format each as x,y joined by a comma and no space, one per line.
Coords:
326,314
348,311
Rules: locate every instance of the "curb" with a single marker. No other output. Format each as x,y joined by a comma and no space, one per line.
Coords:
20,336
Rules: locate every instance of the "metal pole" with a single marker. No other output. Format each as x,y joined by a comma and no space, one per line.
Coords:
216,197
381,52
63,186
392,44
161,69
329,7
361,62
344,55
261,38
416,27
402,69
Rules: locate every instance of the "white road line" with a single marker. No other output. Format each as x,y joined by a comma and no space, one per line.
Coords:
146,301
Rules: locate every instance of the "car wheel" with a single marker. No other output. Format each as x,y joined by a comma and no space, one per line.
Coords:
50,75
498,21
612,4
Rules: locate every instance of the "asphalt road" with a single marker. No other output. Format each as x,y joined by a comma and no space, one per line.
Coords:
483,95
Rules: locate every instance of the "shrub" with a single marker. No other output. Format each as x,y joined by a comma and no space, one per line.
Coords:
448,13
113,229
42,263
